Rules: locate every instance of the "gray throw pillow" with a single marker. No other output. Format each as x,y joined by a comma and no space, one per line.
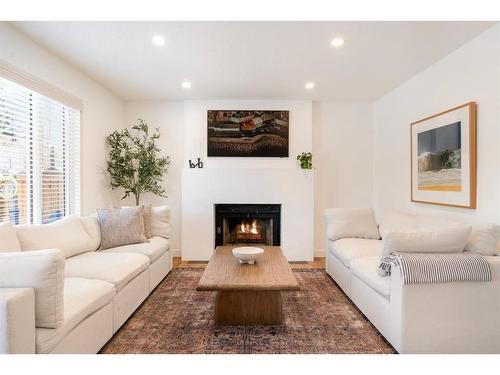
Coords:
146,210
121,226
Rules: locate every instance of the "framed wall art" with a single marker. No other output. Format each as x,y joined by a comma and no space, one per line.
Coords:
443,158
250,133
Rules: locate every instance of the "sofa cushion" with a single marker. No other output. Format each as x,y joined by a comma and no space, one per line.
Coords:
8,238
431,222
396,221
438,240
347,249
82,297
160,221
115,268
43,271
121,226
91,225
365,269
67,234
484,239
155,248
350,223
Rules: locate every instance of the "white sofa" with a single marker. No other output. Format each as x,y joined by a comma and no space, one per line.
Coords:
101,288
455,317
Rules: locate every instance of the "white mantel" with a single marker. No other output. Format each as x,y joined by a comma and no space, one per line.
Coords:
203,188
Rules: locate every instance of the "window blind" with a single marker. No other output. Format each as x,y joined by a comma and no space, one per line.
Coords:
39,156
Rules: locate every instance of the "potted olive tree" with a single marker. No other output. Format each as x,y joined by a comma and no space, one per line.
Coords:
135,163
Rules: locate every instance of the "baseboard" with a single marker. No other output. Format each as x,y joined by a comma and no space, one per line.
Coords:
319,253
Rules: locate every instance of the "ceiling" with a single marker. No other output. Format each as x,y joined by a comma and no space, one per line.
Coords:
264,60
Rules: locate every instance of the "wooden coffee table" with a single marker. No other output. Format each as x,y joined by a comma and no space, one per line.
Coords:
248,294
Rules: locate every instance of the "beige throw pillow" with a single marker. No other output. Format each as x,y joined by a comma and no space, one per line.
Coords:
484,240
439,240
160,221
121,226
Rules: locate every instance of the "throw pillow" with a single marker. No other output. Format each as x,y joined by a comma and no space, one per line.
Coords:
160,221
440,240
396,221
146,210
425,222
121,226
67,234
42,270
484,240
351,223
91,225
8,238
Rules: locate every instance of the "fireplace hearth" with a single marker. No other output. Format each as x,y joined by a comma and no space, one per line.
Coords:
247,224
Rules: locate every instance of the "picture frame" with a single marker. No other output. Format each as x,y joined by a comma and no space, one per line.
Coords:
248,133
443,158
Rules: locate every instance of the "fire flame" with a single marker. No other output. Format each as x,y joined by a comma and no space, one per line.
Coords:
249,228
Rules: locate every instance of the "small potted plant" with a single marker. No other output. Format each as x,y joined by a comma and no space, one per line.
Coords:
305,160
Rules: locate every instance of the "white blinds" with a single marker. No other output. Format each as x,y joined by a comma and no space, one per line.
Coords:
39,156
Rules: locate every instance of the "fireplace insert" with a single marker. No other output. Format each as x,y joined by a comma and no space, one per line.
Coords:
247,224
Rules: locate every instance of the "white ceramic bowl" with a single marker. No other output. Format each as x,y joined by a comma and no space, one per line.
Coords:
247,254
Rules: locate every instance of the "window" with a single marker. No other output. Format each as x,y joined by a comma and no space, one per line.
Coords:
39,156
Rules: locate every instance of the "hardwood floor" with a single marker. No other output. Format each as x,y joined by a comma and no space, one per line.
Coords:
317,263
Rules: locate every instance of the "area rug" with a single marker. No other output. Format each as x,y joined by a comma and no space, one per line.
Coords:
178,319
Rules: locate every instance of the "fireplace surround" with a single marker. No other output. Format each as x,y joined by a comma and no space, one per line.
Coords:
242,223
291,188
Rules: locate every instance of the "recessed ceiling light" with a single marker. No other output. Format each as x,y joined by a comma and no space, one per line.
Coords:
309,85
158,40
337,42
186,85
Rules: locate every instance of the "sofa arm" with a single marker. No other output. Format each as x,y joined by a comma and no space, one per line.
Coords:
17,320
456,317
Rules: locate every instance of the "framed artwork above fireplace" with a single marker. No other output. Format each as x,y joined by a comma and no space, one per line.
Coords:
251,133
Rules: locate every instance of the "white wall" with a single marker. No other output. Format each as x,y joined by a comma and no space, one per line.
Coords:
102,111
342,145
341,141
471,73
169,117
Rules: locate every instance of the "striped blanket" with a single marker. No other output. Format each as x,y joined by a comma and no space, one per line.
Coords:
427,268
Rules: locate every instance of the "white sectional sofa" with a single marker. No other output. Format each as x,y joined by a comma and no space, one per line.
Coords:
455,317
101,288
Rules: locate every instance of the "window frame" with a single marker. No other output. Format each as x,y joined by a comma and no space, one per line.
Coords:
34,195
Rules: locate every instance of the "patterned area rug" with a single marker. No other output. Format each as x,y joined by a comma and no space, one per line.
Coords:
178,319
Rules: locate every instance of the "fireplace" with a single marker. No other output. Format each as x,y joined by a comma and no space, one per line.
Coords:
247,224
